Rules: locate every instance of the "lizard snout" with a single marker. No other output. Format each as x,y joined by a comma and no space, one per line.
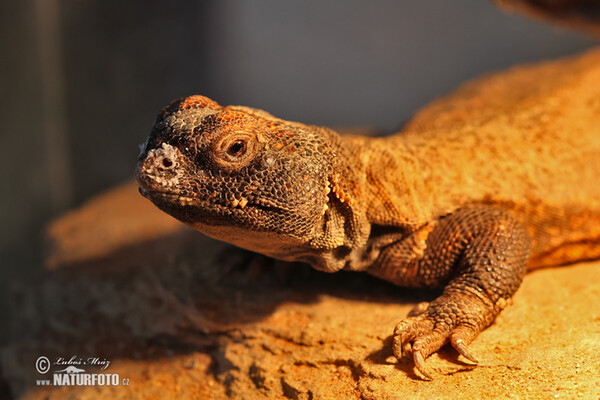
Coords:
160,169
161,160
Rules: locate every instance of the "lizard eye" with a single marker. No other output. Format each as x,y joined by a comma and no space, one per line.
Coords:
235,151
237,148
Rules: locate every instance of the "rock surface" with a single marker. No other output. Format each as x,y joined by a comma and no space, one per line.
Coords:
182,316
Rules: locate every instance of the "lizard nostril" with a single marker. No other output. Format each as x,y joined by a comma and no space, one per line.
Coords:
167,163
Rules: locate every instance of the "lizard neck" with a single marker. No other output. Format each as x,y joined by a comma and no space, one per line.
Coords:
375,198
344,228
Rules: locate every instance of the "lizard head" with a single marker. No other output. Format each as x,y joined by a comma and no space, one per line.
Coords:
239,175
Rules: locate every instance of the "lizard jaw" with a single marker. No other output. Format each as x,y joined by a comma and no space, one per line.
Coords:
192,210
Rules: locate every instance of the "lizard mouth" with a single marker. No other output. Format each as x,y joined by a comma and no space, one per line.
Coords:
174,198
194,209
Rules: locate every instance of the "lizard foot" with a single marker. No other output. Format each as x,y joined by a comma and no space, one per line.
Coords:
430,326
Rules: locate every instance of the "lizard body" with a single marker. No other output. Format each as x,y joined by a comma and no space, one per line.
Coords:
497,178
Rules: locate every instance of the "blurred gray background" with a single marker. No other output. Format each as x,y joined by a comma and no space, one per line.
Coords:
82,81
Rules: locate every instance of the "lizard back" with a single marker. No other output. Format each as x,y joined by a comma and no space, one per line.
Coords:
540,158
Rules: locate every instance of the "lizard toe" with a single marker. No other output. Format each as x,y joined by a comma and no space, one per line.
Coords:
406,332
418,337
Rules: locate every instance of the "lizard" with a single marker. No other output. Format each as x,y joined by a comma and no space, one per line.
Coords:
494,180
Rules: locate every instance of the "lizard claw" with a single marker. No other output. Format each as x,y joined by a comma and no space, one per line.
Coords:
460,346
420,364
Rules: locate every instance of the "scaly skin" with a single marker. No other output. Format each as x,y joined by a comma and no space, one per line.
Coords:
466,200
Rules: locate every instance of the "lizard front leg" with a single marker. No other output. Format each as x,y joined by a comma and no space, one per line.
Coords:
479,255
